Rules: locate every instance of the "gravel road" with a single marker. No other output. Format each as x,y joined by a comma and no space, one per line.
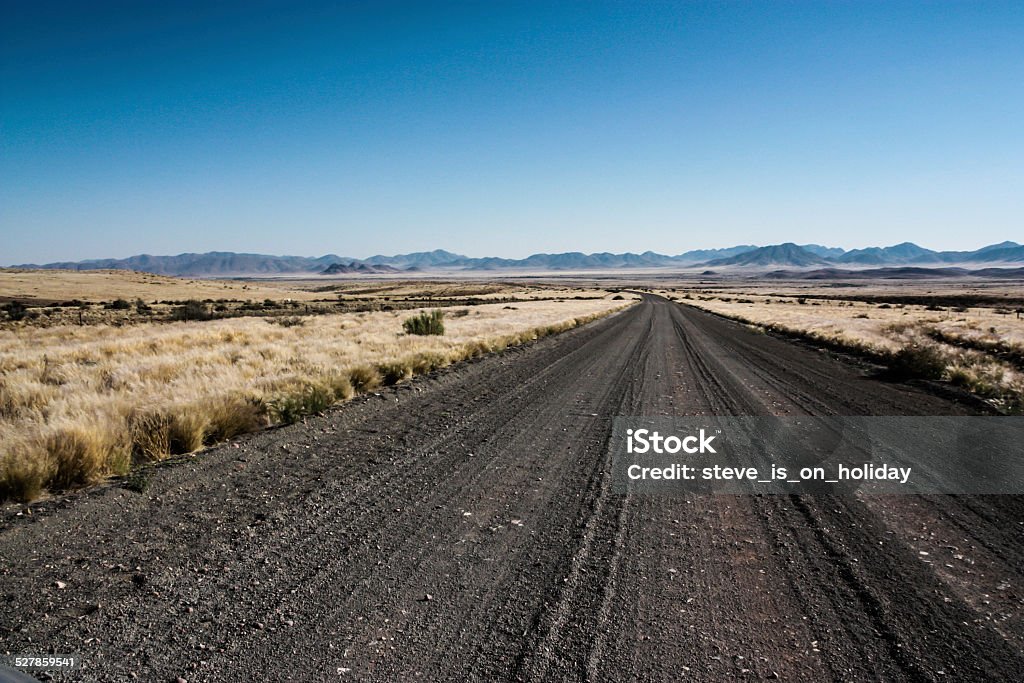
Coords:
462,527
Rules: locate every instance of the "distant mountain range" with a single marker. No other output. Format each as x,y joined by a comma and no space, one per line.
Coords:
788,255
893,273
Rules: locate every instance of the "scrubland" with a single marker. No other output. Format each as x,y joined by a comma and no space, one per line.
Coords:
52,298
977,347
79,403
98,285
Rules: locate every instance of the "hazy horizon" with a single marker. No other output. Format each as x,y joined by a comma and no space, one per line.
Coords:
507,129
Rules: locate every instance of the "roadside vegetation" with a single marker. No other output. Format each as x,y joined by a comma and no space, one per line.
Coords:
79,403
979,348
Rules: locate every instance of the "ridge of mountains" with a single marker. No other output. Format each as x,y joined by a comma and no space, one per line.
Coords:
747,256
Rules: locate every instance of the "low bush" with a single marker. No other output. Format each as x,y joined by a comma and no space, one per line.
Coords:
192,310
15,310
427,322
287,321
118,305
918,361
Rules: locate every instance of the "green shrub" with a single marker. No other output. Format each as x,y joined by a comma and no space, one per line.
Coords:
918,361
118,305
15,310
427,322
192,310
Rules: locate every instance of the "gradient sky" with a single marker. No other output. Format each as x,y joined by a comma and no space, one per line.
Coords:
506,128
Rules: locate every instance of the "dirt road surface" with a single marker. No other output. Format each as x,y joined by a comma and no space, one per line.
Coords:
463,527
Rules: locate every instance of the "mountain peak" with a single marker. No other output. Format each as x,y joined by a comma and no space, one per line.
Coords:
785,254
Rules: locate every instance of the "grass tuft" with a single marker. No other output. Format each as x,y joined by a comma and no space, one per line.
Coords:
394,372
310,399
364,378
82,454
25,469
426,323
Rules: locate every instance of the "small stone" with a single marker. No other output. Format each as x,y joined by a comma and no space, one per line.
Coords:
60,584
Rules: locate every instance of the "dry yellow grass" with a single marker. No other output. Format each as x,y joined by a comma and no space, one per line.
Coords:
80,403
979,348
54,298
104,285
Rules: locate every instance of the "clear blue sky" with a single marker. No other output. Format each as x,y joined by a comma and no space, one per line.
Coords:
506,129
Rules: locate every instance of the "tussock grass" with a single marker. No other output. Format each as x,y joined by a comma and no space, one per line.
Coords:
83,453
426,322
25,467
78,404
364,378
